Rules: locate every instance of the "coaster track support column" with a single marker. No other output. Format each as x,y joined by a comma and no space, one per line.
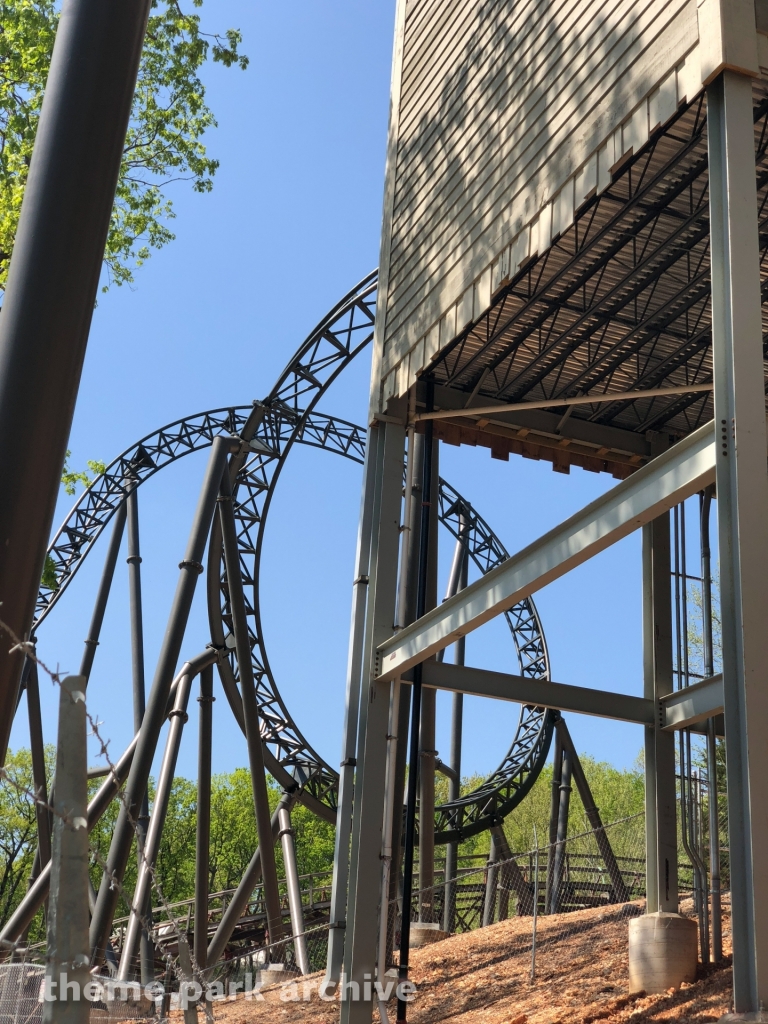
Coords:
370,780
742,499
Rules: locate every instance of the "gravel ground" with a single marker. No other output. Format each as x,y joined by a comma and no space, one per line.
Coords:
483,977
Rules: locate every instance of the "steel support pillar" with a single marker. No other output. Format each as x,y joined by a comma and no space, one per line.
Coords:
294,890
203,835
102,595
409,567
491,883
454,792
386,916
427,805
427,752
618,886
244,891
511,878
250,711
139,702
22,916
143,891
562,831
154,716
554,806
424,592
39,779
340,881
97,617
367,825
742,498
66,956
457,581
709,669
660,793
51,289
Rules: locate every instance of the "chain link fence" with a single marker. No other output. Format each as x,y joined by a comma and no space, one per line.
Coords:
560,902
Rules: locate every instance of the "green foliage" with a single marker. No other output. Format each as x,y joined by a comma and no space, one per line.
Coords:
18,831
233,837
617,793
49,578
71,478
695,628
168,120
233,829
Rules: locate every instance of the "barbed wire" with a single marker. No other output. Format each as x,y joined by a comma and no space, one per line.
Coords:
28,648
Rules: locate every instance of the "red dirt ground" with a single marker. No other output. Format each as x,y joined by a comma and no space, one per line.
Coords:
483,977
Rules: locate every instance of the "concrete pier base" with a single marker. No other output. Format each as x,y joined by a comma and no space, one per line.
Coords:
662,952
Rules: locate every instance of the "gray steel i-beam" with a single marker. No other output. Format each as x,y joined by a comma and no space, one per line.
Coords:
423,592
427,752
459,574
66,955
655,488
340,880
365,865
250,710
712,773
409,570
190,567
709,668
51,289
203,833
481,682
742,500
143,891
386,915
660,791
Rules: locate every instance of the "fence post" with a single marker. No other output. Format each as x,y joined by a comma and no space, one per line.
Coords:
535,904
68,948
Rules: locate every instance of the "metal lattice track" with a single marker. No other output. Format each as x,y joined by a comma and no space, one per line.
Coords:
272,428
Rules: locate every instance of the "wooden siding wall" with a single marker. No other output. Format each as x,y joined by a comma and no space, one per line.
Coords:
498,104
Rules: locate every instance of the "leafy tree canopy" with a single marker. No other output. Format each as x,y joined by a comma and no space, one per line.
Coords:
168,119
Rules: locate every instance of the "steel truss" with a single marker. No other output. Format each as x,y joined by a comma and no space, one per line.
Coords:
621,300
269,430
290,758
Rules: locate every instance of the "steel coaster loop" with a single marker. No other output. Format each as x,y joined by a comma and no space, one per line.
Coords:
277,424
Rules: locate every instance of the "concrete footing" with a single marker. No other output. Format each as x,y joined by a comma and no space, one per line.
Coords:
663,952
422,933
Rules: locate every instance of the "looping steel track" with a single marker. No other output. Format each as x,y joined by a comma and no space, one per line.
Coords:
269,430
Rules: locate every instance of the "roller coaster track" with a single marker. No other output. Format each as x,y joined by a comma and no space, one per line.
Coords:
269,429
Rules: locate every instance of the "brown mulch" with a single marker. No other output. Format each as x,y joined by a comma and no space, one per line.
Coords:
483,977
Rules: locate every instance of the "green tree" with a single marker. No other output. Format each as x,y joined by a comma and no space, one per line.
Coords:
70,479
18,830
168,120
618,793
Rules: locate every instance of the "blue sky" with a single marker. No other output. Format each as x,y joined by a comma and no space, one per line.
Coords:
292,223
